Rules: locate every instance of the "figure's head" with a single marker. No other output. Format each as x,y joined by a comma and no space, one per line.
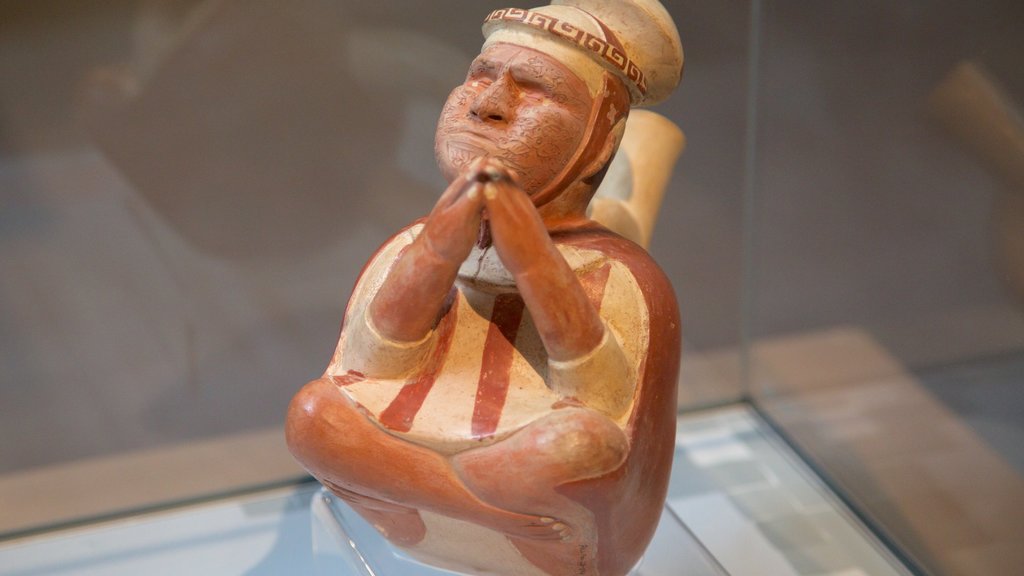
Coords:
551,90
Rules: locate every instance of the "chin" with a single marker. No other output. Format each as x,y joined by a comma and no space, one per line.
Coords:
454,155
449,169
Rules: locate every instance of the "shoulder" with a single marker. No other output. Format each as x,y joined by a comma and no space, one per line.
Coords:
593,236
403,237
377,267
390,249
659,296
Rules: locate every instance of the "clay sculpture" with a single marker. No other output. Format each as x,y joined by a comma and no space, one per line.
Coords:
502,398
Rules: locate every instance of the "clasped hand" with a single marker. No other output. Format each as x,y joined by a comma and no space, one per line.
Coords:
412,298
488,192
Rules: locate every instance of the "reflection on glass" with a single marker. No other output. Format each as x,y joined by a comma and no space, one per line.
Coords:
188,190
888,317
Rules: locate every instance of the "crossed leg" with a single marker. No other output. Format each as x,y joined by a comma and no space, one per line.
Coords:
386,479
523,471
509,486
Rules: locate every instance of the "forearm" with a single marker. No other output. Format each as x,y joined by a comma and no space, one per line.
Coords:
585,360
366,348
413,295
567,322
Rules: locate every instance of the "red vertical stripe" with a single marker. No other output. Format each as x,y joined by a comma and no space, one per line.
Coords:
594,283
496,369
351,377
399,415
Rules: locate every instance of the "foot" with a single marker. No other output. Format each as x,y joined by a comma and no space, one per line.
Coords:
401,525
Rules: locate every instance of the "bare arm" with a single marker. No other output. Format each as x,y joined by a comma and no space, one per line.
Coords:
567,322
411,299
585,360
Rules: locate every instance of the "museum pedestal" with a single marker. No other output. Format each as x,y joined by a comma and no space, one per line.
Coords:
344,544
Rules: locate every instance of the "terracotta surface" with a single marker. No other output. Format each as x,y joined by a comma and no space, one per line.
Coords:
506,362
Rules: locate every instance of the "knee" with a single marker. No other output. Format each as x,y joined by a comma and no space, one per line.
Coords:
586,440
333,439
308,422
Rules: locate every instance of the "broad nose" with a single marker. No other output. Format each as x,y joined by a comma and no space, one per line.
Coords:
497,102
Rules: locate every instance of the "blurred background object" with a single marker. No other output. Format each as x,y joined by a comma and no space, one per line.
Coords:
885,342
629,199
971,104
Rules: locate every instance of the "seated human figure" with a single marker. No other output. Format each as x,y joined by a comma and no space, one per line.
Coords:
507,363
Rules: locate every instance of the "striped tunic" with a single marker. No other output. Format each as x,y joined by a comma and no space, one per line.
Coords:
483,373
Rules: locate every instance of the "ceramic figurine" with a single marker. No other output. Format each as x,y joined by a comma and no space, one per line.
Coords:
502,398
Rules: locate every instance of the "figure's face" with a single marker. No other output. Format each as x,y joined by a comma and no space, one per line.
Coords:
519,106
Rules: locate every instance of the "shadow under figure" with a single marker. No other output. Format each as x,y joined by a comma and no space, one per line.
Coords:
502,398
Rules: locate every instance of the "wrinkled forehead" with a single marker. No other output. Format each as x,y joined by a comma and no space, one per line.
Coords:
529,66
567,59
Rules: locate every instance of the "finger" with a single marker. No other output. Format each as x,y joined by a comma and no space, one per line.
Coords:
519,233
563,531
451,231
505,198
460,185
542,533
476,171
456,189
494,170
461,204
468,205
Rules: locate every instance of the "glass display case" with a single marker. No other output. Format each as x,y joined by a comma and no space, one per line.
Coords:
884,309
188,190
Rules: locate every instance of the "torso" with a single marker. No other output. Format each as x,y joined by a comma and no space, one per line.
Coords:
490,367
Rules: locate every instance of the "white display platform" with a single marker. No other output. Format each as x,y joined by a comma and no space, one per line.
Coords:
344,543
740,503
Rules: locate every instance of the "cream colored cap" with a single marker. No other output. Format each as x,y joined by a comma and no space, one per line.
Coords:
634,39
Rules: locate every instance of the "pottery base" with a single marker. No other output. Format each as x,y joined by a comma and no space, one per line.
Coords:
346,545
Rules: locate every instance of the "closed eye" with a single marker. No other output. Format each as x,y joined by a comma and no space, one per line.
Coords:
482,70
533,86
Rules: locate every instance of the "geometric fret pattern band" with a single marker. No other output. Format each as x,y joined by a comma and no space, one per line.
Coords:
608,52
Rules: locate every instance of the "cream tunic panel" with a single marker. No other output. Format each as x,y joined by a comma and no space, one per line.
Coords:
448,414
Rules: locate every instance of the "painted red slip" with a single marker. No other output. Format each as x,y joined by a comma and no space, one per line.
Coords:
496,368
400,414
625,501
594,283
351,377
